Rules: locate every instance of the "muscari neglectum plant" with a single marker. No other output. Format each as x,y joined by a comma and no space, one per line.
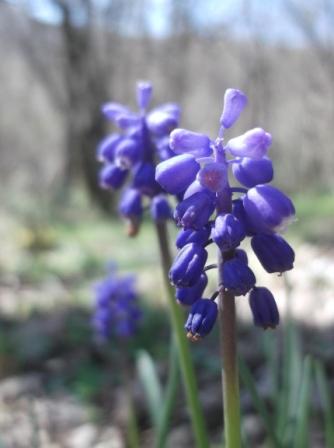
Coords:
213,211
129,160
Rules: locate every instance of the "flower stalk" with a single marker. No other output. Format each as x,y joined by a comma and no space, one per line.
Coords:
185,360
230,376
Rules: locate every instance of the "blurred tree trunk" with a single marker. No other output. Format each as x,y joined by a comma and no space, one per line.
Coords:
86,88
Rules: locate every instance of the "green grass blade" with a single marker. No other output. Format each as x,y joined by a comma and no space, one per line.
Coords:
249,383
169,398
150,381
301,435
326,403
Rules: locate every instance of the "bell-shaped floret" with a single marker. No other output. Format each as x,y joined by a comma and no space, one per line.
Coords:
273,252
228,232
177,173
188,265
268,209
160,208
111,176
264,308
238,278
144,180
253,143
234,103
201,319
127,153
184,141
105,151
195,211
200,236
188,296
251,172
213,176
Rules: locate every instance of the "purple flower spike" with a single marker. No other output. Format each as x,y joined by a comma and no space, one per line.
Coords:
112,177
213,176
188,296
234,103
127,153
251,172
253,143
268,209
228,232
117,309
182,141
105,151
193,236
160,208
238,278
264,308
195,211
175,174
144,94
161,123
273,252
188,265
201,319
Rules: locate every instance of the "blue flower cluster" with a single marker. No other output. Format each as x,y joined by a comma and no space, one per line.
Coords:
213,211
117,311
134,152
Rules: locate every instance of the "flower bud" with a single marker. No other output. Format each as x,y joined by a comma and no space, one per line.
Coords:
188,296
144,94
195,187
195,211
238,278
175,174
188,265
228,232
163,149
273,252
213,176
161,123
253,143
127,153
126,120
183,141
105,151
111,176
268,209
193,236
251,172
201,319
234,103
264,308
160,208
130,204
144,180
111,110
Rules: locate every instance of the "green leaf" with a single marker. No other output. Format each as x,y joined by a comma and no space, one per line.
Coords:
326,402
301,436
259,404
150,381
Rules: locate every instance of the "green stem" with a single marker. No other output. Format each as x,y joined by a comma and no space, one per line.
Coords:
169,397
185,360
230,376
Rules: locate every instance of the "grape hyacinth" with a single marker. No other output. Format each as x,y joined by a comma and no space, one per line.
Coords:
130,156
213,211
117,312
